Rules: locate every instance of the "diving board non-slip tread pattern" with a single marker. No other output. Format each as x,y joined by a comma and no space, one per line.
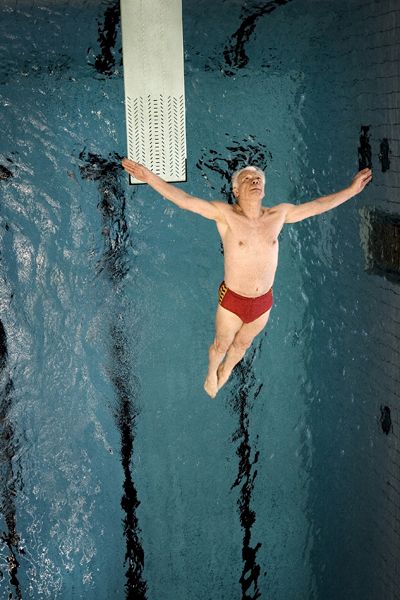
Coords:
154,85
156,134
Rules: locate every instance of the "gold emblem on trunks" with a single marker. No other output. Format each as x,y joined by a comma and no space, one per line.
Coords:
221,292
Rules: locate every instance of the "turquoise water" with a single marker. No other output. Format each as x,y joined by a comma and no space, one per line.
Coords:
120,478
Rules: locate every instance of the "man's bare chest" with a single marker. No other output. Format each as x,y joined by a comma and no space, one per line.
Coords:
245,234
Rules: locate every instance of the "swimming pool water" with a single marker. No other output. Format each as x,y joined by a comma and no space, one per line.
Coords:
120,478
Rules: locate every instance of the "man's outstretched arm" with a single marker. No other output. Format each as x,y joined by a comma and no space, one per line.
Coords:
206,209
298,212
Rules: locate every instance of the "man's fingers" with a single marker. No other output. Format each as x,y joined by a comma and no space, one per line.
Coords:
367,180
130,166
128,163
134,169
364,173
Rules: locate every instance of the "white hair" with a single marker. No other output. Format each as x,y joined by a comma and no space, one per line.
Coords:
236,174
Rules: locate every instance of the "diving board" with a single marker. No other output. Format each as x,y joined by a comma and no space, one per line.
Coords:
152,46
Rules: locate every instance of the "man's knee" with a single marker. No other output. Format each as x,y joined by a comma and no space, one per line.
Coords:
242,344
221,344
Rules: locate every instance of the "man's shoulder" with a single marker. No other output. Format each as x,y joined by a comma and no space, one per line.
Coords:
282,206
221,204
279,209
223,207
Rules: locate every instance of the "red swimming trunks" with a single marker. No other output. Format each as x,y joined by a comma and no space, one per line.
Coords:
247,309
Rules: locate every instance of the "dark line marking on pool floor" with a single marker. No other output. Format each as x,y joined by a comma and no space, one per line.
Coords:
383,156
234,53
245,383
382,244
364,149
8,490
125,386
239,154
112,207
386,420
105,61
115,263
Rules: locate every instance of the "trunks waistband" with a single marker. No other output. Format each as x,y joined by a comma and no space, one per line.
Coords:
223,288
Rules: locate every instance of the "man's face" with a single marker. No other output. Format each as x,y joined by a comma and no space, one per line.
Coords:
250,183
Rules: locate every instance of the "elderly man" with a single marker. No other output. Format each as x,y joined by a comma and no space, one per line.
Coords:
249,233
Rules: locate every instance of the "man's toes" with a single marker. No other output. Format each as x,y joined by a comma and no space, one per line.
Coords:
210,389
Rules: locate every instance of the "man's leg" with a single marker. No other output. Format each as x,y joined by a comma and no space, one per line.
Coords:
240,344
227,324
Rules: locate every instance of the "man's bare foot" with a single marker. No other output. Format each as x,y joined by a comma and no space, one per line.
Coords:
211,385
222,375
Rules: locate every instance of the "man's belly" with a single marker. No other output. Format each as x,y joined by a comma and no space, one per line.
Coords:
250,278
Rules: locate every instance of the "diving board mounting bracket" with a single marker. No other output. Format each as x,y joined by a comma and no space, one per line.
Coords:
152,43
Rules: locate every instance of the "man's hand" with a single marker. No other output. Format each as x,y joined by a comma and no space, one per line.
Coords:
298,212
360,180
136,170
